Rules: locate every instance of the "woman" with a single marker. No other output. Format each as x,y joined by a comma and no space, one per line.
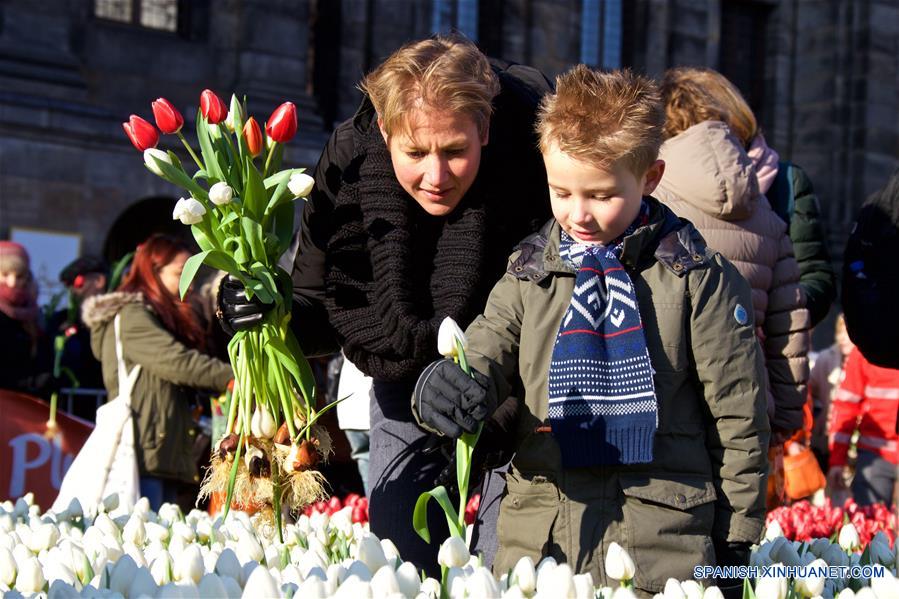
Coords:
418,200
162,334
696,94
20,362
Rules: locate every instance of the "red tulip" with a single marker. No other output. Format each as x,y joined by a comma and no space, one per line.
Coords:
212,107
141,133
282,125
351,499
252,135
168,119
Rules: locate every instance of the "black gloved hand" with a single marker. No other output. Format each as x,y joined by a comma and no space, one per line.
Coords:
236,312
451,402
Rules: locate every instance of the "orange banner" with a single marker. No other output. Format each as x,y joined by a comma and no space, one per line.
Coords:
29,462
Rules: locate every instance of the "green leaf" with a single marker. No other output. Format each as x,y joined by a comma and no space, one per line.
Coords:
291,357
262,273
202,239
178,177
748,592
259,289
191,266
229,218
210,160
280,196
118,270
420,513
222,261
255,197
281,176
252,234
200,174
282,220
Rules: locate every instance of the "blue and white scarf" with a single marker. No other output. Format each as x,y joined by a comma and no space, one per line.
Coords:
602,403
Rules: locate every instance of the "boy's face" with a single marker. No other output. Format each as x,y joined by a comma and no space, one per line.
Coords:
593,204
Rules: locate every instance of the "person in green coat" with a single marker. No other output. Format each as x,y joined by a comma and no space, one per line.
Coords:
161,334
633,347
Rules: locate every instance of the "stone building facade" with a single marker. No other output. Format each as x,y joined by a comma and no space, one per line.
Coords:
823,76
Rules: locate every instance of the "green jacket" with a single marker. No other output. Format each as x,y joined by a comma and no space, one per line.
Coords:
794,200
709,472
164,429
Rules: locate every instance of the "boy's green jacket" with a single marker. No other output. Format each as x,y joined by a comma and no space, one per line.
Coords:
708,475
164,429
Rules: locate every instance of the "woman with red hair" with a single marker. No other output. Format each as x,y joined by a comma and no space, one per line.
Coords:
161,334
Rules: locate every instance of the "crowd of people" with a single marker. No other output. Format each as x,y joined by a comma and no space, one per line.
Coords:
638,274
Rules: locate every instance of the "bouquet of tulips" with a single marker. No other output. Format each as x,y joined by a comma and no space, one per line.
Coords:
240,209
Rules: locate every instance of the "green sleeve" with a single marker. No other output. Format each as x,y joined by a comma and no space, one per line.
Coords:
146,342
807,232
730,372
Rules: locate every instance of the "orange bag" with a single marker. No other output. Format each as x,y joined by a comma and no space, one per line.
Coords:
802,474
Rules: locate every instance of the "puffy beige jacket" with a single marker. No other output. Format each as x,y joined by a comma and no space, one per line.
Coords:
710,180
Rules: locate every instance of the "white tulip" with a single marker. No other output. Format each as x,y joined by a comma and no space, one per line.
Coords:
161,569
334,576
142,584
123,573
189,211
235,109
544,574
482,584
370,552
74,510
30,578
514,593
149,155
773,531
246,571
447,335
21,554
311,560
623,593
673,589
7,524
262,425
866,593
189,567
430,587
407,578
810,586
846,593
354,588
313,588
7,567
835,556
135,531
619,565
220,194
713,593
232,587
524,576
884,584
318,520
848,538
453,553
59,589
249,549
261,584
455,582
300,184
390,552
384,582
691,589
358,570
771,587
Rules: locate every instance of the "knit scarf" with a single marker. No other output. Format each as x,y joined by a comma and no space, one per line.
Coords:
393,272
602,403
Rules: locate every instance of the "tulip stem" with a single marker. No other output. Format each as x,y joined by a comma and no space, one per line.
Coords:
190,151
268,159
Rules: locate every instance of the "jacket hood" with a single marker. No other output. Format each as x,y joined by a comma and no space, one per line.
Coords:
706,166
99,310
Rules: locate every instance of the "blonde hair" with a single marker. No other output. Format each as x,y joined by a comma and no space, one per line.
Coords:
693,95
445,72
603,118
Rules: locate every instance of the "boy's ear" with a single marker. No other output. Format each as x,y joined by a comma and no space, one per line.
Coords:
653,176
485,138
382,130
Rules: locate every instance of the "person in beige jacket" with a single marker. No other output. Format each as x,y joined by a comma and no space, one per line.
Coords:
710,180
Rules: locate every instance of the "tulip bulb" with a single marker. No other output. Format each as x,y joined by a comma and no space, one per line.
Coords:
262,425
447,335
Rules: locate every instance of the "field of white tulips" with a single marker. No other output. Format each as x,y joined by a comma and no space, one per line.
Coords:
139,553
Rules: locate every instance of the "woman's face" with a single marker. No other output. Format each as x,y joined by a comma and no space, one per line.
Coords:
437,160
170,274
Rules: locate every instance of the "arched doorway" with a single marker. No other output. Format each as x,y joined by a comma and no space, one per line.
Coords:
140,220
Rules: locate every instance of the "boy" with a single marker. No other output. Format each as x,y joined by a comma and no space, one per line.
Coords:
633,346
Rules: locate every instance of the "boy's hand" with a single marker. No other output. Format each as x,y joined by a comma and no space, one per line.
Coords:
451,402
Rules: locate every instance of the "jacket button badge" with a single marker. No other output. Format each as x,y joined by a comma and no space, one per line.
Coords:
741,315
680,498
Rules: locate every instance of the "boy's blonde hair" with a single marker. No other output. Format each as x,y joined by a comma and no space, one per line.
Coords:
445,72
693,95
603,118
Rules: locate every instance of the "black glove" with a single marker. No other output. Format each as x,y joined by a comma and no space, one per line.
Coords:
236,312
450,401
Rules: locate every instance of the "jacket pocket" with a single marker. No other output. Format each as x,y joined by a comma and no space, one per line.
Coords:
527,514
668,525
